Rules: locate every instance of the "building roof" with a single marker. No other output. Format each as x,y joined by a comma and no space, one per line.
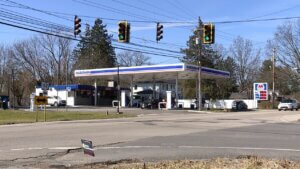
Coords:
153,72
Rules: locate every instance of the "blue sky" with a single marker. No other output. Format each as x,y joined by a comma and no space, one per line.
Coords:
175,34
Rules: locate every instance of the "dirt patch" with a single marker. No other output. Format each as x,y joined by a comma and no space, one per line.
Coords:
242,162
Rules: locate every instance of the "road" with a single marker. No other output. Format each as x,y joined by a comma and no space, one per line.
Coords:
153,136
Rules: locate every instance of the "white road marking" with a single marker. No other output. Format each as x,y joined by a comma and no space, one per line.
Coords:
40,148
29,148
126,147
139,147
243,148
63,148
201,147
17,149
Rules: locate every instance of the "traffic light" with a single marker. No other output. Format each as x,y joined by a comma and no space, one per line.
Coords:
208,36
159,32
124,31
77,25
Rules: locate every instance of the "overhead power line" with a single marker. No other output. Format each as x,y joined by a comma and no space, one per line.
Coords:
57,14
256,20
37,10
33,21
74,39
144,10
108,8
276,12
179,8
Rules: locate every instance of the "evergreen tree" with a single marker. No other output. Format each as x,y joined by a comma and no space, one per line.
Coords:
95,49
208,58
224,88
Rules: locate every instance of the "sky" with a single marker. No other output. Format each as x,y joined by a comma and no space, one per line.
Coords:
182,16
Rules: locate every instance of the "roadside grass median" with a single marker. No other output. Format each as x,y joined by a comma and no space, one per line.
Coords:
20,116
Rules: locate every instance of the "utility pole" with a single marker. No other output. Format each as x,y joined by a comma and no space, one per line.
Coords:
199,64
13,88
273,74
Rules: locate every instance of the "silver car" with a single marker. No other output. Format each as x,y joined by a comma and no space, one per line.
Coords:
288,104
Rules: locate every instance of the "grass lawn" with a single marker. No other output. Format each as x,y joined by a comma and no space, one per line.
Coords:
18,116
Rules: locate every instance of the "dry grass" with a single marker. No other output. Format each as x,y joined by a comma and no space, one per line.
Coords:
245,162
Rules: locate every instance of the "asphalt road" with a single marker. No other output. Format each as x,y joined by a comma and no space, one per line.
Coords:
153,136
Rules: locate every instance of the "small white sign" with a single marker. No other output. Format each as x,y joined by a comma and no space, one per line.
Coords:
69,89
45,86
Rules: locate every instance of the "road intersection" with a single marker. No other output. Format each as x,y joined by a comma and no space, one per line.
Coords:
151,136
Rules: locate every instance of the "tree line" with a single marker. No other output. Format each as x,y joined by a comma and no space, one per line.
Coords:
44,58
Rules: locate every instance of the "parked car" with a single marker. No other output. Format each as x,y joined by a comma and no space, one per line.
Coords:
288,104
56,101
136,101
150,104
239,105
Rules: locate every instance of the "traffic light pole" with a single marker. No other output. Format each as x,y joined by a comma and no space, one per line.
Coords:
199,65
118,109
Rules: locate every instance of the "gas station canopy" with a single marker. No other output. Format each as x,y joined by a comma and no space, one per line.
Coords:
153,72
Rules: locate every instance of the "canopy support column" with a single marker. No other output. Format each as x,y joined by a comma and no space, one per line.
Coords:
131,92
95,97
176,91
153,88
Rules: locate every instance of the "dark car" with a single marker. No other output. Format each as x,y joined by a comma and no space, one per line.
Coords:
152,104
239,105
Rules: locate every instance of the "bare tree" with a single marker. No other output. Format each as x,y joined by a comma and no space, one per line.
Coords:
128,58
286,43
247,63
41,58
57,52
30,57
44,56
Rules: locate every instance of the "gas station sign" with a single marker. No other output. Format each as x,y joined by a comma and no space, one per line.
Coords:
260,91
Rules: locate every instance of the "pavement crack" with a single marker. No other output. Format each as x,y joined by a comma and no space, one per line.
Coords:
40,158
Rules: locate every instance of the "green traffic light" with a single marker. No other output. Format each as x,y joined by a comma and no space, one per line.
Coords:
207,38
121,37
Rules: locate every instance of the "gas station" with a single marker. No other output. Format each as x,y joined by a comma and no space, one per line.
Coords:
153,74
